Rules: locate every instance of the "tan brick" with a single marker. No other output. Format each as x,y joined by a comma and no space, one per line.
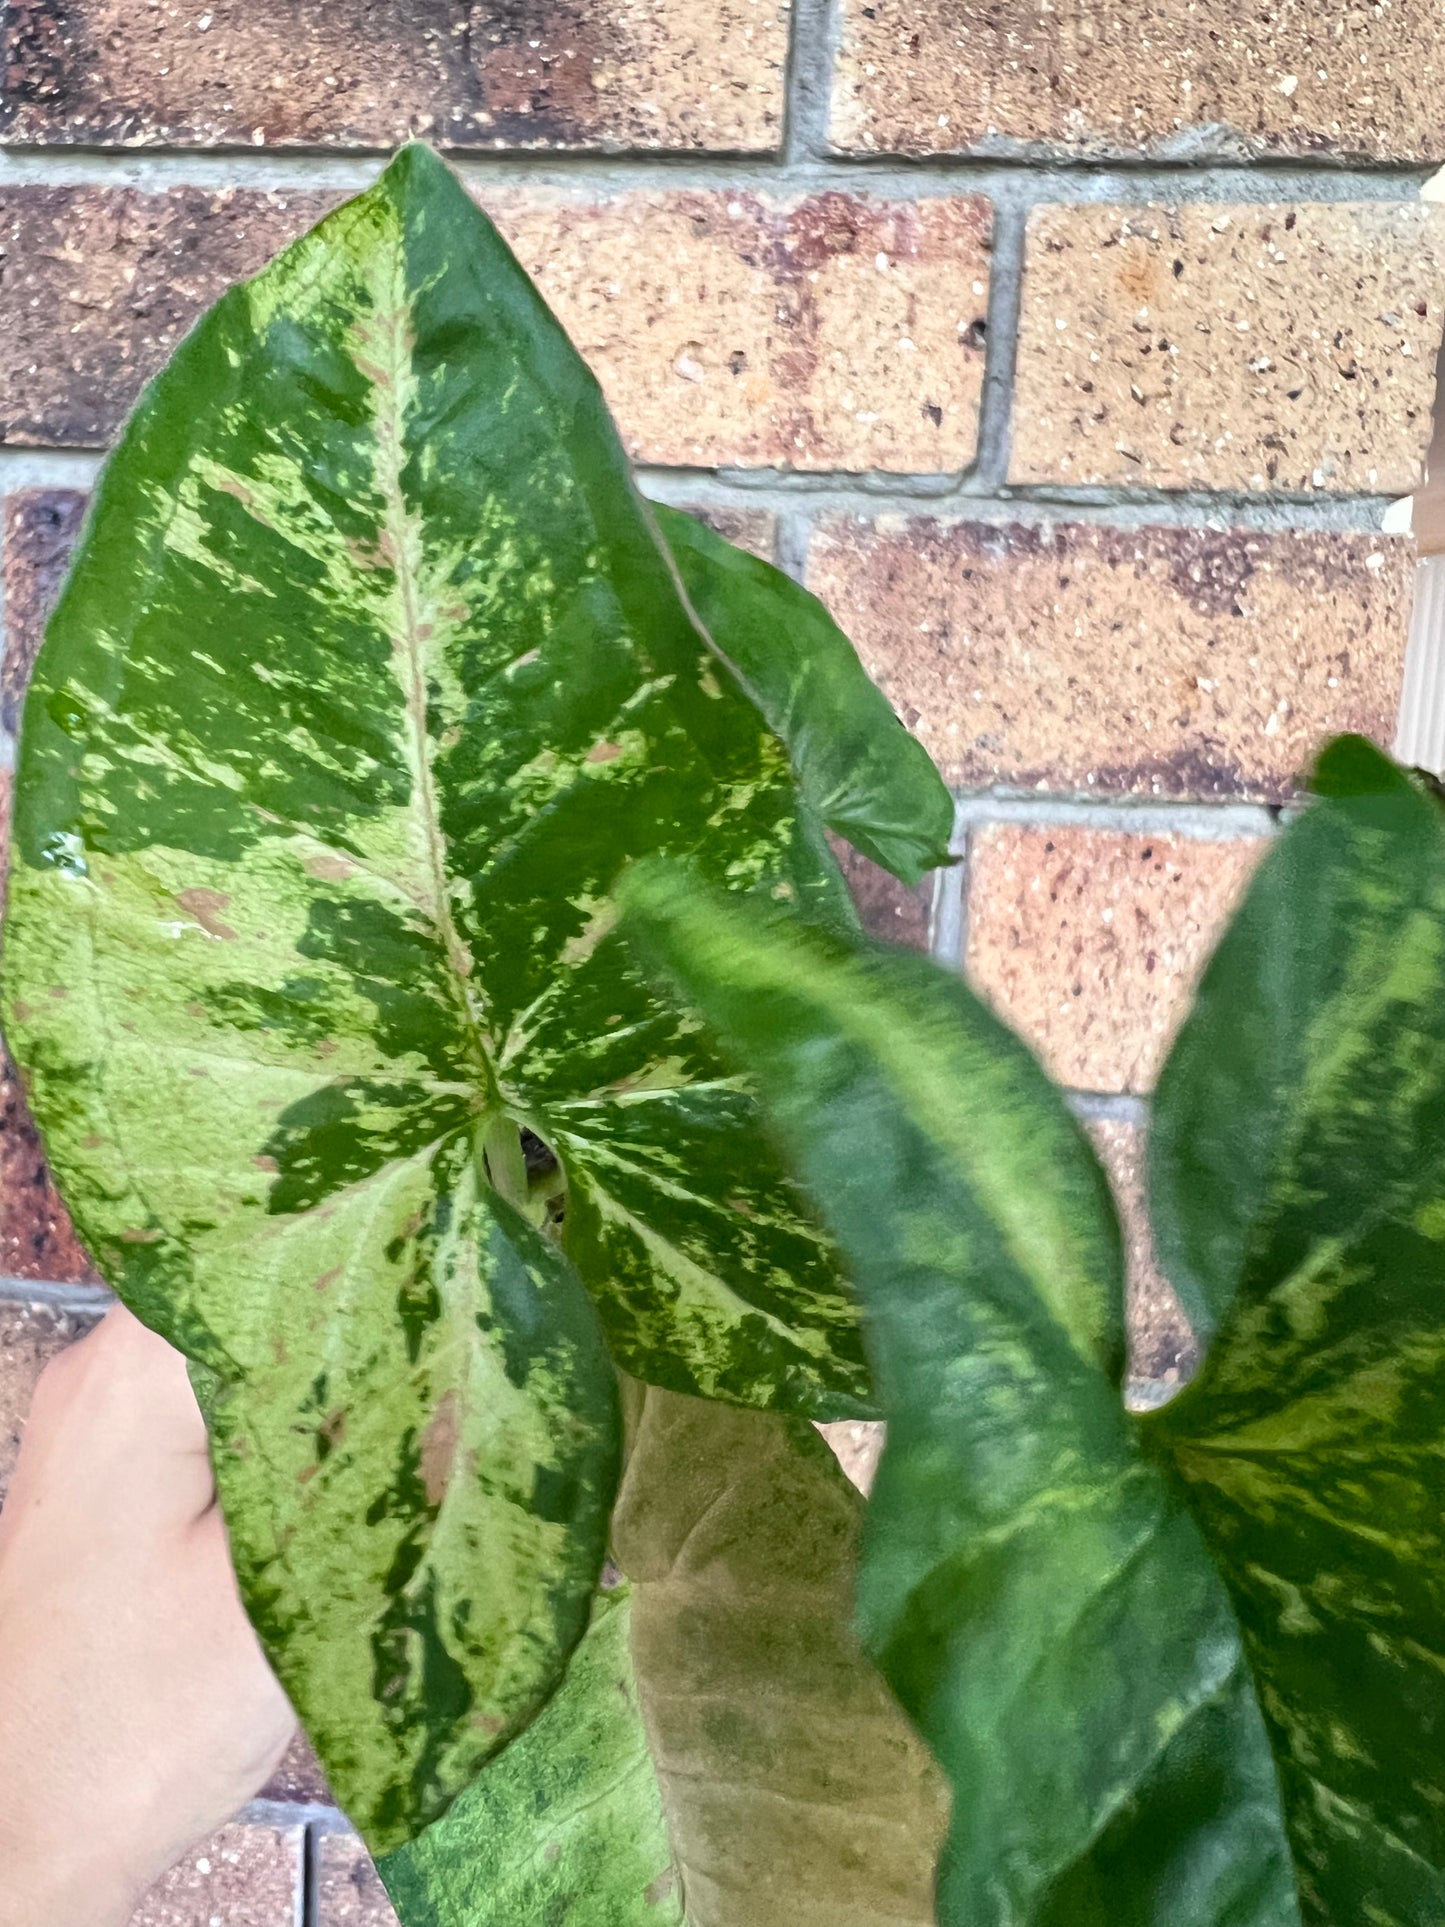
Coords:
1262,347
246,1876
1161,1344
371,73
1156,661
1092,78
349,1892
1089,941
834,331
30,1336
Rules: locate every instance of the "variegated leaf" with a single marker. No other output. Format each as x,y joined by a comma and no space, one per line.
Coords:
1303,1109
1184,1670
371,674
720,1754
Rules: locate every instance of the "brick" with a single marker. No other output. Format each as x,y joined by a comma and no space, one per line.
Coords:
886,907
1089,941
1161,1344
755,530
831,331
299,1780
97,287
1260,347
30,1336
1082,77
681,74
1158,661
246,1876
40,527
349,1891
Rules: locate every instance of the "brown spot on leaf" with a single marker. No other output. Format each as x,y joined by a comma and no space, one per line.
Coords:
327,1279
265,1162
205,906
656,1891
604,752
438,1449
329,867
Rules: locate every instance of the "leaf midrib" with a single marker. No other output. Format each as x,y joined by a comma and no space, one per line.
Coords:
402,539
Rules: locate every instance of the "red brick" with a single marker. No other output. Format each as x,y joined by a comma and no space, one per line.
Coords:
755,530
834,331
1157,661
886,907
1249,347
348,1888
371,73
1089,941
245,1876
40,527
30,1336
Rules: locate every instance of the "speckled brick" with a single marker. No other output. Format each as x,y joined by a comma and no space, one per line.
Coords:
40,527
1263,347
30,1336
681,74
1087,77
886,907
1089,941
97,287
299,1780
755,530
1161,1344
1157,661
244,1876
832,331
349,1891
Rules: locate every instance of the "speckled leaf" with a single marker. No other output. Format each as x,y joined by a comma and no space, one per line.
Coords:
1299,1175
371,675
720,1754
1033,1587
864,774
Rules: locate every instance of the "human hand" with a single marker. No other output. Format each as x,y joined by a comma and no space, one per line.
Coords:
137,1710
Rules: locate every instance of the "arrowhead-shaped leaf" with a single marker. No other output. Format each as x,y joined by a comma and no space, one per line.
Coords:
720,1753
371,675
1182,1671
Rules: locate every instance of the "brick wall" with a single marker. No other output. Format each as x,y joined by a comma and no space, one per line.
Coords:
1071,353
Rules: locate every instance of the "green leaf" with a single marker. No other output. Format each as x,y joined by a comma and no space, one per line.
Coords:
370,677
1186,1668
1293,1037
864,774
1032,1588
1310,1444
720,1754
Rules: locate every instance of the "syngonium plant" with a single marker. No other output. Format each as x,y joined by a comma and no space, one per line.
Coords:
1183,1668
373,682
373,673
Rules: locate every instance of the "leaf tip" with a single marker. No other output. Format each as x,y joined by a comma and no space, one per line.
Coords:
1354,766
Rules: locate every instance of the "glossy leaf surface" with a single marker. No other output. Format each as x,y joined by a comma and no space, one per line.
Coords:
1185,1668
1037,1596
1304,1109
371,675
865,775
720,1754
